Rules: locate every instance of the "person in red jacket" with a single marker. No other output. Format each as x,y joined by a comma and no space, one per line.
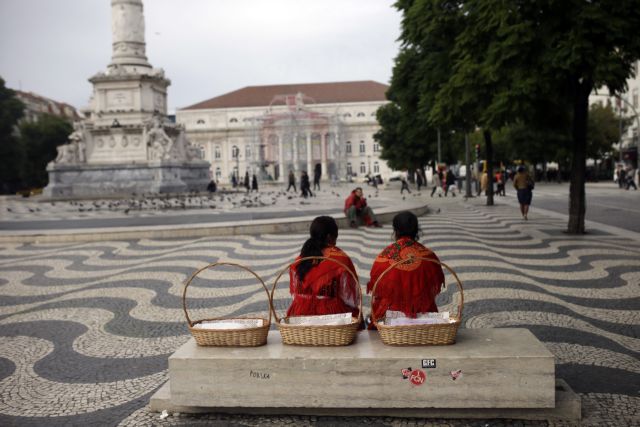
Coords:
409,287
356,209
321,286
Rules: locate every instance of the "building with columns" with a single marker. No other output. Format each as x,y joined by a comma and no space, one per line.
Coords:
270,130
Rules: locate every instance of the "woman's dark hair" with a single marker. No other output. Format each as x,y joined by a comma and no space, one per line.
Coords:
405,224
321,228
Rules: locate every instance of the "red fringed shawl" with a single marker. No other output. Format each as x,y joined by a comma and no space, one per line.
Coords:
410,288
327,288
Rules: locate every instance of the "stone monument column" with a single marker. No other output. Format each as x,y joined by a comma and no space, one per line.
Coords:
127,28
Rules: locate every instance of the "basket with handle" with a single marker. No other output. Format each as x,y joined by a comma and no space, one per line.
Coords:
430,334
317,335
252,336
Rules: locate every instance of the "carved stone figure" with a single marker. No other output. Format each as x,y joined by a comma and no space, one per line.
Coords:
157,140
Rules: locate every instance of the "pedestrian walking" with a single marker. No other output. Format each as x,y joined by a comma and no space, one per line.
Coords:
450,180
500,183
317,174
622,177
247,183
254,183
419,180
524,185
484,183
292,182
405,185
305,185
437,184
631,174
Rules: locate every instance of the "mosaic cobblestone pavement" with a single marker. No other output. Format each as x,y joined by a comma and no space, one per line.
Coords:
86,329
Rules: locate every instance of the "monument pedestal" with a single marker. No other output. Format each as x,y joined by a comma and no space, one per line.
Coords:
488,372
85,181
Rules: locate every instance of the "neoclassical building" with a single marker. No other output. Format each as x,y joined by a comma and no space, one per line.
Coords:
270,130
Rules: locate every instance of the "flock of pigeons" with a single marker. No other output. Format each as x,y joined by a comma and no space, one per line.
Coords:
223,200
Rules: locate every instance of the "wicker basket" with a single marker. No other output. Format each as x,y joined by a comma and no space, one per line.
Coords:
436,334
248,337
317,335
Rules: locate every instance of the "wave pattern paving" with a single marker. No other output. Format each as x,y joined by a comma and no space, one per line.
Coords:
86,329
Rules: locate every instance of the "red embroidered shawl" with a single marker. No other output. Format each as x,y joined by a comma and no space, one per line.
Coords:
411,288
326,289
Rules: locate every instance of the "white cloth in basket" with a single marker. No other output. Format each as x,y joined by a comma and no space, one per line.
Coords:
398,318
327,319
229,324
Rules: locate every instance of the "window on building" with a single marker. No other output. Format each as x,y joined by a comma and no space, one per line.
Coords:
346,115
201,148
218,174
635,98
373,114
247,151
349,169
348,147
235,152
200,122
216,152
233,120
363,148
235,171
376,147
363,168
376,167
360,114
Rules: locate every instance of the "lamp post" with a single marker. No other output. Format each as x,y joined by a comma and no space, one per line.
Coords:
467,162
439,150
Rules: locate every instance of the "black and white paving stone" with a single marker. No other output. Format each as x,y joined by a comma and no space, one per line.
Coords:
86,329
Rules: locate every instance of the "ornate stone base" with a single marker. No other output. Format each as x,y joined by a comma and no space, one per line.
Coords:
88,181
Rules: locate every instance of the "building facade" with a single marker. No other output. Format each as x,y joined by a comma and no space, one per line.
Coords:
37,106
626,106
271,130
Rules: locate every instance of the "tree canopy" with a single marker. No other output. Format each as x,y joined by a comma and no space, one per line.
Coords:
527,66
12,156
26,147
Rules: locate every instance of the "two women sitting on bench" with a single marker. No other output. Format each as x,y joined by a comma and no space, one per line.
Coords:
325,287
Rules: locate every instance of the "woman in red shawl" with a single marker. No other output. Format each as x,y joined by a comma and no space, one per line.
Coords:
409,287
323,287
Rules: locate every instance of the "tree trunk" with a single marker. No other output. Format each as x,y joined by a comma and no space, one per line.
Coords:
577,197
489,151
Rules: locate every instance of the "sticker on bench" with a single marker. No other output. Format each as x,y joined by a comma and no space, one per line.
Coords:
457,374
428,363
415,376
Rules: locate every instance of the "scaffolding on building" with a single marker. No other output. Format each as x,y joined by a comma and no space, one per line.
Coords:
290,136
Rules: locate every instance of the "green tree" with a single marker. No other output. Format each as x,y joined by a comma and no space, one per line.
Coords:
40,140
519,60
603,131
589,45
12,155
407,138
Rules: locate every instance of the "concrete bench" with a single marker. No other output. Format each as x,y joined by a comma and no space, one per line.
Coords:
489,373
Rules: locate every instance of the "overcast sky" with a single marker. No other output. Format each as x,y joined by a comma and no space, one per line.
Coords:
206,47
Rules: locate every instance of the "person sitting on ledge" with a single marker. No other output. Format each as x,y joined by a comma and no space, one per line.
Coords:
356,209
409,287
323,287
